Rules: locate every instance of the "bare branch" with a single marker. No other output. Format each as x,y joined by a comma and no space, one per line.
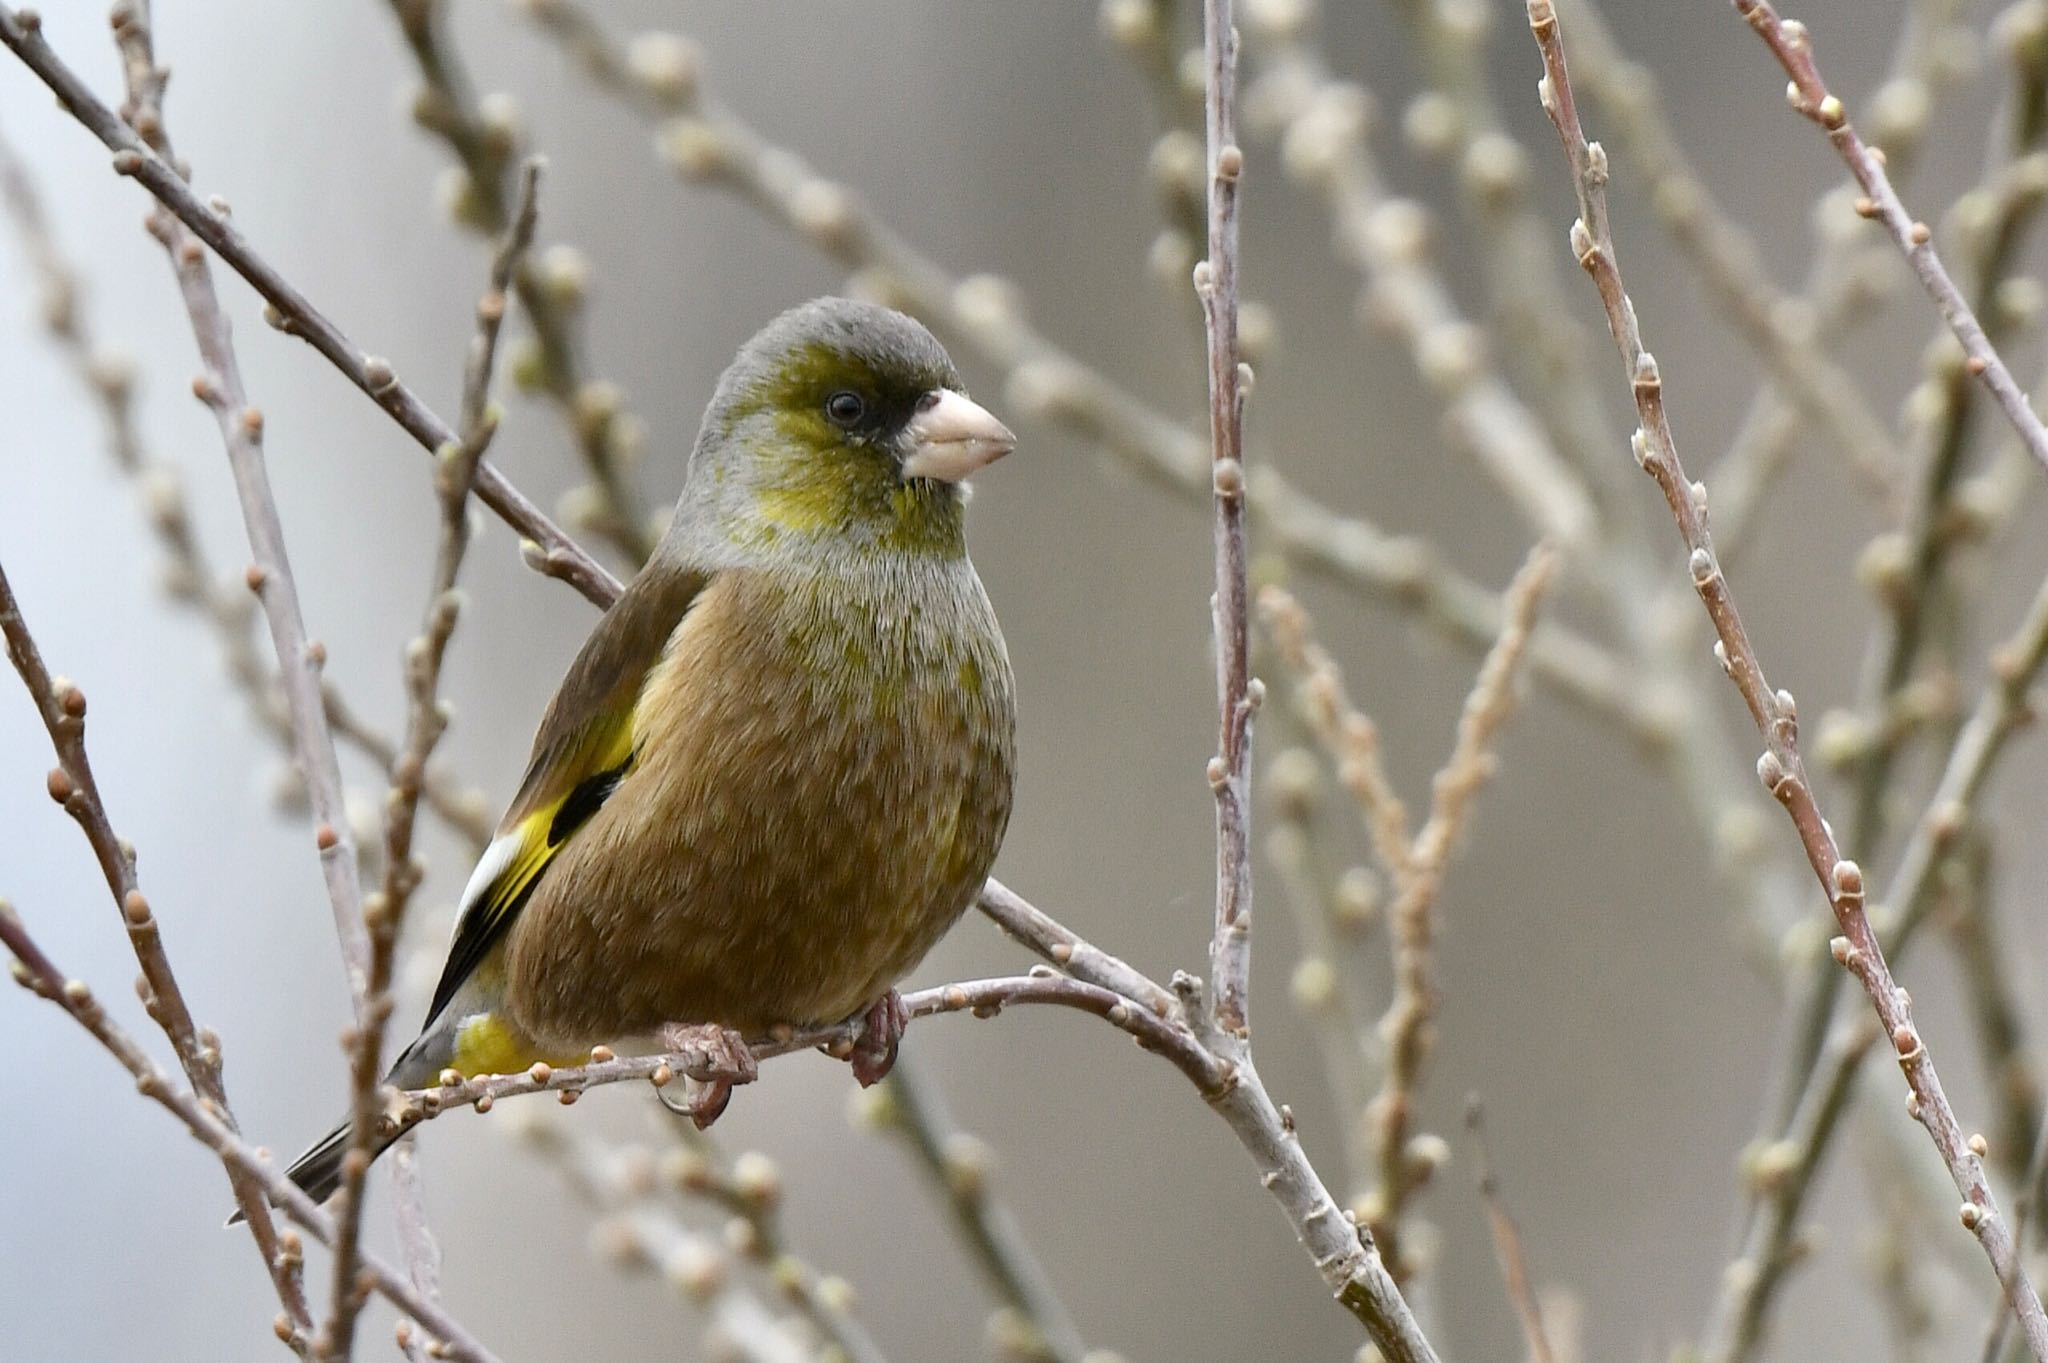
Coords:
61,706
1792,46
39,974
384,912
1781,768
1409,1025
1507,1241
552,552
1238,694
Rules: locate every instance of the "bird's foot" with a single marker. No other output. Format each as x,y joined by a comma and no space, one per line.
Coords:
881,1027
725,1059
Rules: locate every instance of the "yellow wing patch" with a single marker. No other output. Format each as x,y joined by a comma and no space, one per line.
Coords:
511,867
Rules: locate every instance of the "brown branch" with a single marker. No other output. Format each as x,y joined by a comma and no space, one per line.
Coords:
61,706
1999,713
1790,43
984,998
1736,277
548,550
35,971
384,912
1347,734
1237,693
1507,1240
1781,767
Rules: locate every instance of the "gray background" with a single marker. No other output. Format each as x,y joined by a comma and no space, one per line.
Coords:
1593,989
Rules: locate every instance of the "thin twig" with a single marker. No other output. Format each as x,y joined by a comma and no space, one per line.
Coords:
1507,1240
547,550
39,974
384,912
1792,46
61,706
1999,713
299,659
1781,768
1346,733
189,577
984,998
1237,693
1736,276
1409,1024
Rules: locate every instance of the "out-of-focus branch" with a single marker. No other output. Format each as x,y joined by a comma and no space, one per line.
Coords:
1322,128
1237,692
639,1232
1781,768
1321,124
35,971
660,77
548,550
1543,350
1790,43
1507,1240
61,706
1034,1323
384,912
485,141
1780,1173
1409,1024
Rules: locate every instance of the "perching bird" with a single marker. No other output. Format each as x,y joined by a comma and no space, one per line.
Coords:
780,767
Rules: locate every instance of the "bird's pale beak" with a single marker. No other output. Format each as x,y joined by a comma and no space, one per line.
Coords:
951,436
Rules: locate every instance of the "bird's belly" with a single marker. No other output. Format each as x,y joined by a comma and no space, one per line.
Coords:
831,806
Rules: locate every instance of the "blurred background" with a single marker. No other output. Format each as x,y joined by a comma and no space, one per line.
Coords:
1598,986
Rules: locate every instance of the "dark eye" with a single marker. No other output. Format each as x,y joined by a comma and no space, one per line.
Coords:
845,408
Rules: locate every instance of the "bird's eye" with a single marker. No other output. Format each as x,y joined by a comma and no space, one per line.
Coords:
845,408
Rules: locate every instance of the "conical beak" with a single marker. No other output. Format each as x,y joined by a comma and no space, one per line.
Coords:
951,436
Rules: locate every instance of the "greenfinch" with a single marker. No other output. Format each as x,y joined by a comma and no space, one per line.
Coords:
780,767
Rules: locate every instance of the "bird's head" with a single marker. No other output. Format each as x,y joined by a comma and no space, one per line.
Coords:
842,423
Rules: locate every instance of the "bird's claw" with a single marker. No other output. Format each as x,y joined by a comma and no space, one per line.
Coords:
724,1059
881,1027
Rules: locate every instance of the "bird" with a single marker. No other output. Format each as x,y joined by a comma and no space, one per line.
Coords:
781,765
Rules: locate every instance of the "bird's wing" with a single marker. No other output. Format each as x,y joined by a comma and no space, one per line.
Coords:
583,748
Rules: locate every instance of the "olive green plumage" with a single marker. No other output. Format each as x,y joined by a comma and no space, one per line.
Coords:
781,765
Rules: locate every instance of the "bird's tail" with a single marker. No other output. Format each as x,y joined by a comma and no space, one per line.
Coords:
317,1172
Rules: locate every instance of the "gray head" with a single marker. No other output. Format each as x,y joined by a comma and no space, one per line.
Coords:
840,422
